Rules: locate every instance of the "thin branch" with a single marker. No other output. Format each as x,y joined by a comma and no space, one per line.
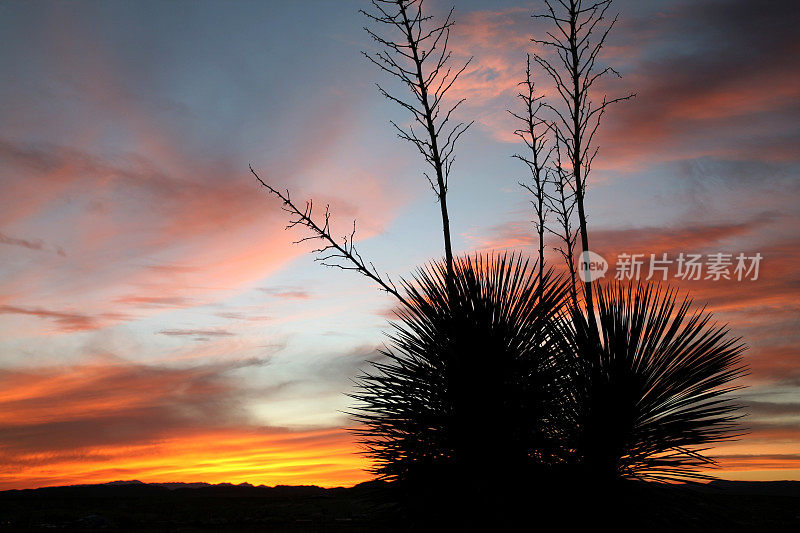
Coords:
331,253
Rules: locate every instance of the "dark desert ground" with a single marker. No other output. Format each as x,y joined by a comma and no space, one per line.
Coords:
134,506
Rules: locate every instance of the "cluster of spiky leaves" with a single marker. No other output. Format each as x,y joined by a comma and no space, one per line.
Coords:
497,374
465,384
649,396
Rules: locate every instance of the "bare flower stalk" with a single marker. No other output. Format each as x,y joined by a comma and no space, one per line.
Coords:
418,56
561,202
577,38
533,134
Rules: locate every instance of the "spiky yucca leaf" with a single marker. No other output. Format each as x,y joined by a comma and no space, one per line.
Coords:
467,383
652,393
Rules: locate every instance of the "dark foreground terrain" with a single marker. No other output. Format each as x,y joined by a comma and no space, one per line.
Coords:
134,506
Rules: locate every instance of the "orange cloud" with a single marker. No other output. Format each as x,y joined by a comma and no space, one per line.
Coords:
224,230
128,185
111,419
713,96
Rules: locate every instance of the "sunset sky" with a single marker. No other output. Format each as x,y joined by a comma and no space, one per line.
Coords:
156,321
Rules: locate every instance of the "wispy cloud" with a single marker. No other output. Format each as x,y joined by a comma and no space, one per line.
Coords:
114,401
198,334
36,244
155,301
289,293
67,321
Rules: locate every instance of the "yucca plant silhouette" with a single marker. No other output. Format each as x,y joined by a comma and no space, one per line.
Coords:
649,396
465,391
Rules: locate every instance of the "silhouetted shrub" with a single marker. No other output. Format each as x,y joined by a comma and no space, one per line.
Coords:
652,392
467,384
